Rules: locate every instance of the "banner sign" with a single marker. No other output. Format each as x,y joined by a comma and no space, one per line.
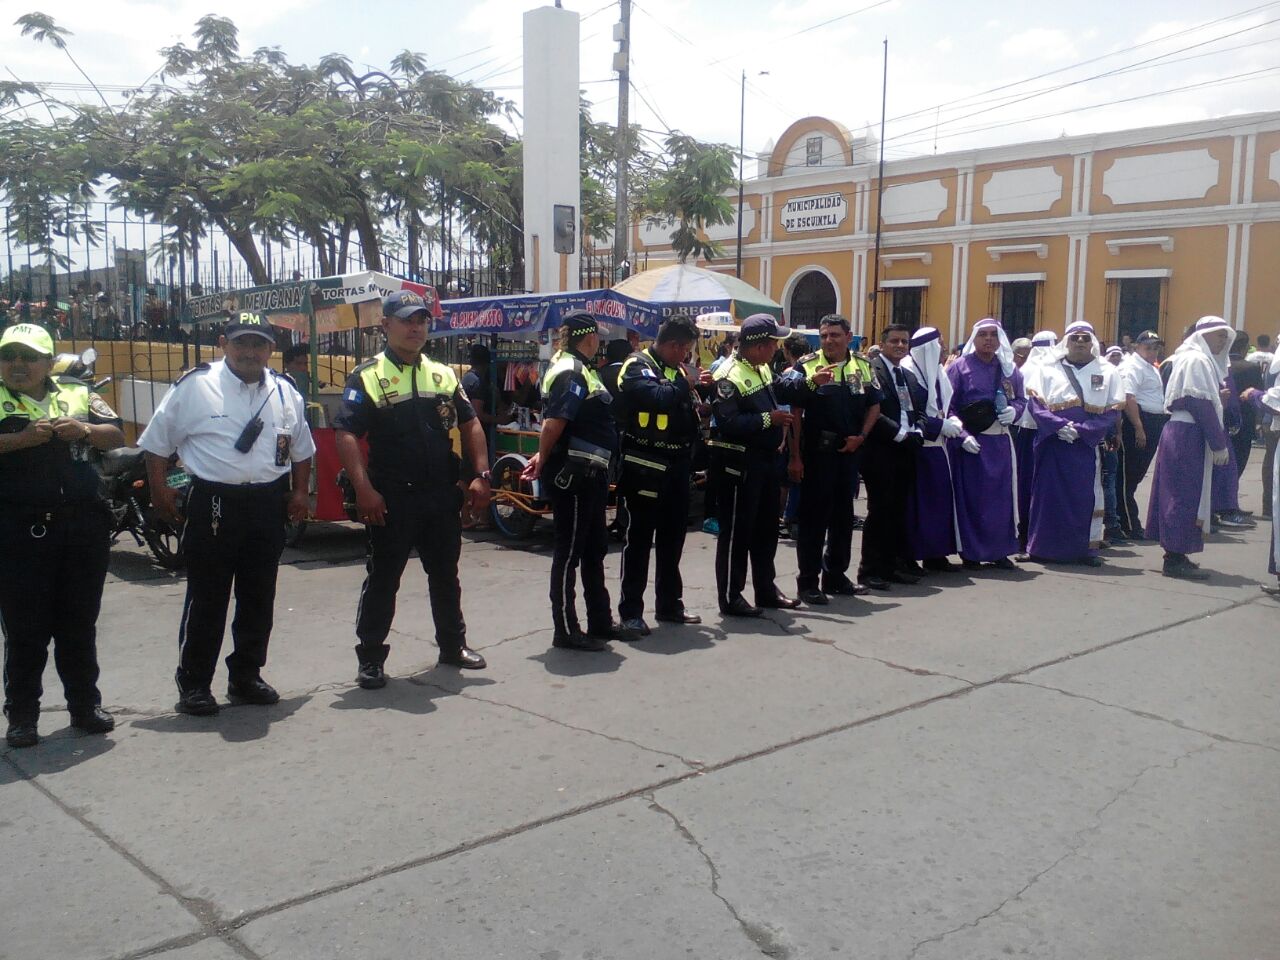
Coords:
825,212
533,313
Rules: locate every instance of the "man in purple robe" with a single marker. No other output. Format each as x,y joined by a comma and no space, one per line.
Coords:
931,515
1192,443
987,397
1075,399
1024,432
1225,505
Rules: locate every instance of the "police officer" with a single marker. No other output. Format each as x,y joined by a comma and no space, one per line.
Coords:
577,441
240,430
747,435
657,409
54,532
838,394
408,495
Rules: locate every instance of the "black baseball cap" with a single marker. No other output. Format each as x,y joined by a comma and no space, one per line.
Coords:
248,324
762,326
579,323
1148,336
403,304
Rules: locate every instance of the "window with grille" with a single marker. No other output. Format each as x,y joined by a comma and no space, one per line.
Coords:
1135,304
1017,305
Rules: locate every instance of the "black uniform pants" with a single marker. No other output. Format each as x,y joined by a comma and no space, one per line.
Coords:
430,522
233,540
1134,465
1268,466
51,590
889,472
748,530
825,544
656,525
582,540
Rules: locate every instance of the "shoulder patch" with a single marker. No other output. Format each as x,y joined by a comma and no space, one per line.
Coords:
352,395
807,357
198,368
725,389
361,367
101,408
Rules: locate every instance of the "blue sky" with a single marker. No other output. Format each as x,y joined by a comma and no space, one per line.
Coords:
688,57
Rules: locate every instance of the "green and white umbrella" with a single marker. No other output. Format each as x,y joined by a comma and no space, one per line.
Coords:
683,288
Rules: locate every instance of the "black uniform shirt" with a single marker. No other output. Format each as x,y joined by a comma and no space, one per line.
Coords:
590,418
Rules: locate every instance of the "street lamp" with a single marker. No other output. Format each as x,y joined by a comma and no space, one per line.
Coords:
742,149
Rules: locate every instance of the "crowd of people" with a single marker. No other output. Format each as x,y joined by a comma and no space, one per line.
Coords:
999,454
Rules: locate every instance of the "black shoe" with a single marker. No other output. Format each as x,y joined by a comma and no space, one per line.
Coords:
1271,591
1180,568
858,522
814,598
738,607
779,601
941,565
255,690
21,733
579,641
197,703
611,632
466,658
898,576
93,720
971,564
371,676
911,569
1004,563
844,587
633,628
682,617
1089,562
872,581
1232,521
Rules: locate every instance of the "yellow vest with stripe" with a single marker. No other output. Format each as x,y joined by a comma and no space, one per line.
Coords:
564,362
388,384
68,399
855,371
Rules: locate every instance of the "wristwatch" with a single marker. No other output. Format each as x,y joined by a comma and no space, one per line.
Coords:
485,475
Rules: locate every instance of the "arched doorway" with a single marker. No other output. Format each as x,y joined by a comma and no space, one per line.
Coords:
812,298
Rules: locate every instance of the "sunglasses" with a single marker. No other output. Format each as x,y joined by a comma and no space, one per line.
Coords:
29,356
1080,338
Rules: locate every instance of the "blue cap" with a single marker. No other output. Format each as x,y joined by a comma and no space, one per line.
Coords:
404,304
762,326
248,325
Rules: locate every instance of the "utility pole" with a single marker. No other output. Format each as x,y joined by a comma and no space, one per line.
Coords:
742,146
884,100
622,64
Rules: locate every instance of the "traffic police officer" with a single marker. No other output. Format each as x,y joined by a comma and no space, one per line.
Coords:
54,532
577,441
748,432
407,404
240,430
657,408
840,400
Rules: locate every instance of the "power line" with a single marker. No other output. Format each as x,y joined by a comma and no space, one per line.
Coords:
816,26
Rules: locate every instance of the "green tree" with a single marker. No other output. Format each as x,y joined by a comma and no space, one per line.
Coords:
690,194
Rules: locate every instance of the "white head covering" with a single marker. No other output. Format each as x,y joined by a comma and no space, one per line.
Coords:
1275,368
1080,326
1197,370
925,361
1004,353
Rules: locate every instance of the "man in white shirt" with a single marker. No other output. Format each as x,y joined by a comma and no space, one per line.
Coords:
240,430
1144,418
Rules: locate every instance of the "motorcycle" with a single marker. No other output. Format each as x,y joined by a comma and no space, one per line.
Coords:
124,472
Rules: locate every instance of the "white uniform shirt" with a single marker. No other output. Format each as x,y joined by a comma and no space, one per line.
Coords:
1142,382
201,418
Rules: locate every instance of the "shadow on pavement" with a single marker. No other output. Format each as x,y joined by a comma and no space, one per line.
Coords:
54,754
670,640
413,695
578,663
134,565
236,723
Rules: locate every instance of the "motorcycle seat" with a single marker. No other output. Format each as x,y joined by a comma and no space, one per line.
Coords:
120,461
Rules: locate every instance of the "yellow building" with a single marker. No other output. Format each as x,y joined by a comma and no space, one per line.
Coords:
1149,228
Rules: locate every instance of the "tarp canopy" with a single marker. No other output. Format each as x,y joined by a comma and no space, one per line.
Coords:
532,313
685,289
339,303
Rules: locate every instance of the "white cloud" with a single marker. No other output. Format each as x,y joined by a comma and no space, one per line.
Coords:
1040,44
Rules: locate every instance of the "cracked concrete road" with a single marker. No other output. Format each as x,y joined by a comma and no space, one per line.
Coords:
1051,763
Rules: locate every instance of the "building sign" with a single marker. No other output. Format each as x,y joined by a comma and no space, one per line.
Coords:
814,213
813,152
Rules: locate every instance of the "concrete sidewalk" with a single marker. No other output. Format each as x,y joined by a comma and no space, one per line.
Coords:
1055,762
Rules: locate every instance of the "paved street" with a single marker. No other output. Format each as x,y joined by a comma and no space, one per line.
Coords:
1051,763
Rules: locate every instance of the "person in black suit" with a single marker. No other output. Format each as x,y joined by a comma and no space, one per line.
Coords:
889,465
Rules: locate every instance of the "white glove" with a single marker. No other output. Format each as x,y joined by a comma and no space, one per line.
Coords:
952,427
971,445
1007,416
1068,434
1221,457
